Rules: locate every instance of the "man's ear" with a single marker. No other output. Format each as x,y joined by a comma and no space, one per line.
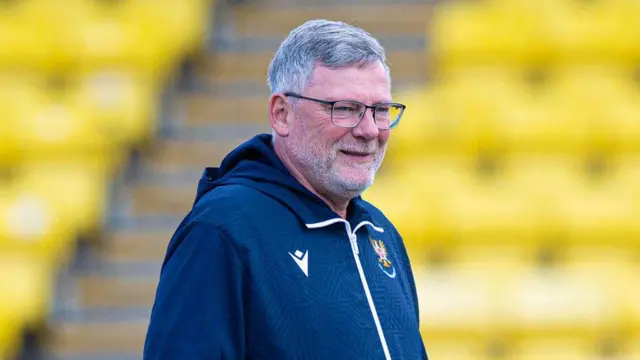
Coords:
279,114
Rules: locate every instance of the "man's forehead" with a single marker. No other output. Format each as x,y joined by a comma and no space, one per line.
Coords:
368,80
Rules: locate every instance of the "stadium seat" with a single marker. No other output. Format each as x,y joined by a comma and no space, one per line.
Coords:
597,32
47,122
30,223
465,297
573,298
491,110
451,115
606,99
631,294
447,346
48,203
107,35
535,121
122,104
29,35
77,189
10,339
466,33
558,348
578,205
516,33
447,201
598,211
483,209
418,133
182,23
25,287
17,89
102,35
632,350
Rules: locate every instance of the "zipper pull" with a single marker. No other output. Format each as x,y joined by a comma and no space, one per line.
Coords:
354,243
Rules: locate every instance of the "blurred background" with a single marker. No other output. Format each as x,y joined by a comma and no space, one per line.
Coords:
514,176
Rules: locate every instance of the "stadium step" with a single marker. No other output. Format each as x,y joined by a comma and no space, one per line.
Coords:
383,19
97,291
127,246
83,339
202,108
162,198
406,60
176,155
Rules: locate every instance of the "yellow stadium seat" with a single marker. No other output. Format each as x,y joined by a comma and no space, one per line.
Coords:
123,104
412,206
607,99
78,189
538,121
558,348
577,298
418,133
10,340
25,287
465,297
632,350
527,32
476,347
181,24
447,201
598,211
31,223
489,32
140,35
597,32
29,35
490,110
620,266
631,290
452,114
17,89
103,35
477,209
575,205
47,122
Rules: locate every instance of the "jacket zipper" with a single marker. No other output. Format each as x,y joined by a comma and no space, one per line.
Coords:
353,240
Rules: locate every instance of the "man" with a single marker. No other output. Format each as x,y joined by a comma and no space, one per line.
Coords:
280,257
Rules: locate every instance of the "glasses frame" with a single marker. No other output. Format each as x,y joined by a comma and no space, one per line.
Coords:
372,107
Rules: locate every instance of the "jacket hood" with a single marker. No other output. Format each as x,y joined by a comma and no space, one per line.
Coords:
256,165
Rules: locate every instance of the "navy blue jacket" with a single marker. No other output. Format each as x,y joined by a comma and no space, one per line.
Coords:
261,268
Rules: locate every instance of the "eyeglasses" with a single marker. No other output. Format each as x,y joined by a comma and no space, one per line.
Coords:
349,113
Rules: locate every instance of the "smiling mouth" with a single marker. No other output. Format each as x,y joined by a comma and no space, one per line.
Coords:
356,153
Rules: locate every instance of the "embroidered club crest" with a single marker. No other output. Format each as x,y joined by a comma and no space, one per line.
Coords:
383,258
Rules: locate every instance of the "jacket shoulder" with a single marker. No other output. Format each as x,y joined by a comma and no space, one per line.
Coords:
227,205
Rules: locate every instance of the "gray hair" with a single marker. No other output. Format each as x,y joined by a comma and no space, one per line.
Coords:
331,43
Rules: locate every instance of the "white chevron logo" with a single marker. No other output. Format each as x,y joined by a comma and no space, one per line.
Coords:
302,260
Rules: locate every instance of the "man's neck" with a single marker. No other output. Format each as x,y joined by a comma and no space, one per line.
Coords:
339,206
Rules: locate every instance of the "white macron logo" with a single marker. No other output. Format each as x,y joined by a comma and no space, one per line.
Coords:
302,260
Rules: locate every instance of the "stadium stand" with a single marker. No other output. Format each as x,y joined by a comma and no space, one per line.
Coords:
514,176
80,88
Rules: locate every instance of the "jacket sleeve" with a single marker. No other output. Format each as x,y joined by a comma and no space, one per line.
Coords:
197,313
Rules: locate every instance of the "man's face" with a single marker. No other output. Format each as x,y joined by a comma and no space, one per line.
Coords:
335,160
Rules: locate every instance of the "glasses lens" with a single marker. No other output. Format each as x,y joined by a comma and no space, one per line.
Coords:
347,113
387,115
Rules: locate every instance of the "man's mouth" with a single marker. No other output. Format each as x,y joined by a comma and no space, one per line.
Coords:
360,154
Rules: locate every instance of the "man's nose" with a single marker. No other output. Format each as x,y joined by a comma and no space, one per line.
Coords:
367,127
